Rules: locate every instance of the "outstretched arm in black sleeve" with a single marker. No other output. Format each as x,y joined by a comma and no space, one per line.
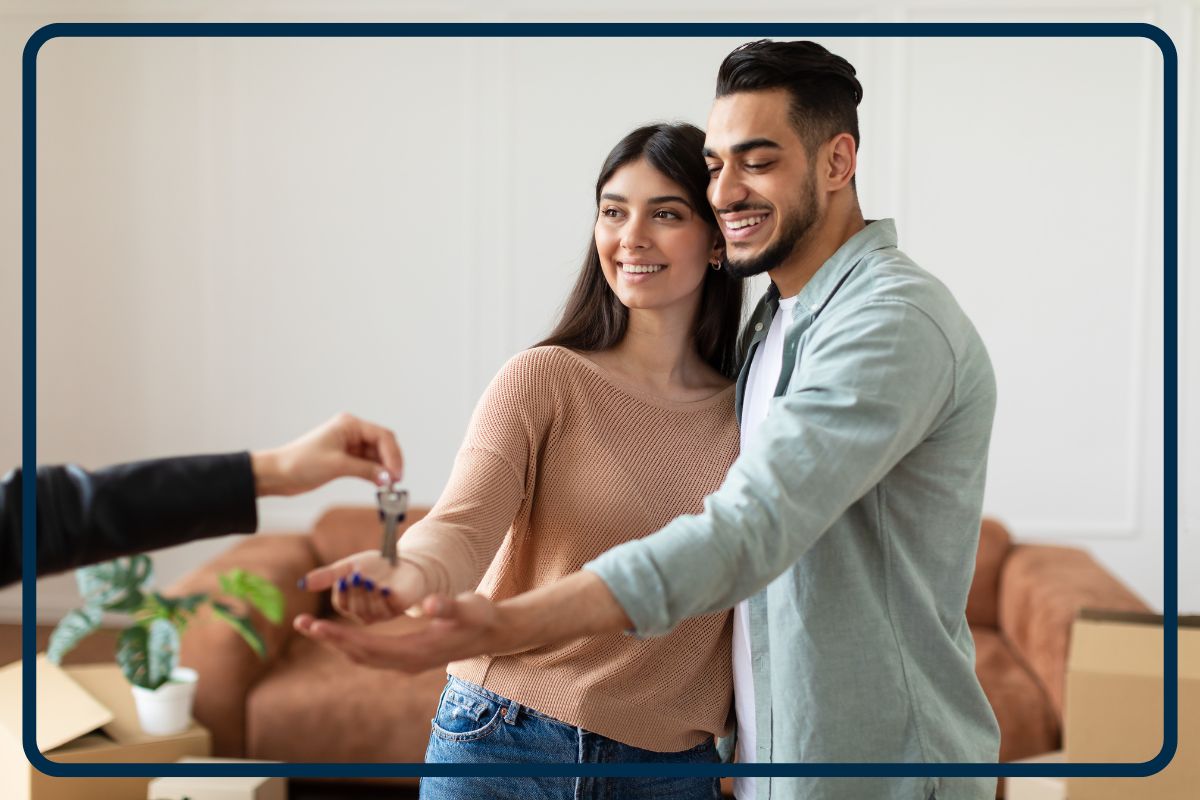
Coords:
83,516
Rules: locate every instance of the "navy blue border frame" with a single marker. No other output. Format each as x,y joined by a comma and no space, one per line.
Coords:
541,30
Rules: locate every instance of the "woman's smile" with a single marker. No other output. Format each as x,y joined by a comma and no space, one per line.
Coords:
633,274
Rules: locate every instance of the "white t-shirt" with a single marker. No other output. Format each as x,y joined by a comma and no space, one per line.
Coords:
760,389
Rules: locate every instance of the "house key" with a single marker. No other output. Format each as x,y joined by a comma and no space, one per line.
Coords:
393,503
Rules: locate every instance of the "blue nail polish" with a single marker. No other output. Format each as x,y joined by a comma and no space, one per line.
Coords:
369,585
302,583
357,579
342,585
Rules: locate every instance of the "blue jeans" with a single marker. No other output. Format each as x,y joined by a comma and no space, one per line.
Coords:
474,725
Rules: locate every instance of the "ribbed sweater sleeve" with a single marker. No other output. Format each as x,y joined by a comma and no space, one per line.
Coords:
491,480
563,462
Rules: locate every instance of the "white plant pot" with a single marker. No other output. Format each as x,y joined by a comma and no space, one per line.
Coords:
168,709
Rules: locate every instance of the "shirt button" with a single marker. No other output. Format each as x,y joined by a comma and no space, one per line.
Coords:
758,326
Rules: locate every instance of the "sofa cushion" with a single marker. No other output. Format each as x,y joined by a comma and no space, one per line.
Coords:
345,530
983,601
1027,720
316,705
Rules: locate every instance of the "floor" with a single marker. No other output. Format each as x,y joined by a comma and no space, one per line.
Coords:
351,791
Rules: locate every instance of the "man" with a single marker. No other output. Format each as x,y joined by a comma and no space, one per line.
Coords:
850,519
83,517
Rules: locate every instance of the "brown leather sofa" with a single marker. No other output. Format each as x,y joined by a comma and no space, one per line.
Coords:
305,704
1023,600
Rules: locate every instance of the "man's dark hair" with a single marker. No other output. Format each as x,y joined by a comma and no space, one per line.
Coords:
825,94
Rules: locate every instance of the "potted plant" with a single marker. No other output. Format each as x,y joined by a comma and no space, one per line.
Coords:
148,649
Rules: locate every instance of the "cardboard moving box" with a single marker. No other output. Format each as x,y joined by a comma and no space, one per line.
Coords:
85,714
1039,788
1114,705
218,788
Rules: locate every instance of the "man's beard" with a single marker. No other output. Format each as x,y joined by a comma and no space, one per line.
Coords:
795,228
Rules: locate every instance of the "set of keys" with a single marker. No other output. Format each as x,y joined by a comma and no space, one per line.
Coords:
393,505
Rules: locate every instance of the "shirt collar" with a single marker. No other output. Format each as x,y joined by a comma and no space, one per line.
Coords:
877,235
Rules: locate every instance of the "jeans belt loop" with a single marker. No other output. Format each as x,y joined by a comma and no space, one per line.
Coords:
510,715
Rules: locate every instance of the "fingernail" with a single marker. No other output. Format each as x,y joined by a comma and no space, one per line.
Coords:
383,477
357,579
302,583
342,585
385,591
369,585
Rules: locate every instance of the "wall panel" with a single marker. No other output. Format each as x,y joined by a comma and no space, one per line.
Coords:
240,238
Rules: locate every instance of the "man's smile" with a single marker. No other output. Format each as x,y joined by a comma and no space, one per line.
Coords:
741,227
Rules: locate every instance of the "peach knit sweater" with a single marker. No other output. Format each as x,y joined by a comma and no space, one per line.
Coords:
560,463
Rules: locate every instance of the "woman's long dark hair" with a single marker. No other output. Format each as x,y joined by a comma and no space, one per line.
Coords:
594,318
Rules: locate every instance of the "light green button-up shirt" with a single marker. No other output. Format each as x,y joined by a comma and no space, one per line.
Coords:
851,522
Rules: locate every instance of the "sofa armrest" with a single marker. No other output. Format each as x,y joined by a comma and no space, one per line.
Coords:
1042,589
983,601
228,667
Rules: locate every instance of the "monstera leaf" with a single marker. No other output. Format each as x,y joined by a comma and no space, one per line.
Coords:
71,630
242,625
115,585
255,590
176,610
148,650
148,653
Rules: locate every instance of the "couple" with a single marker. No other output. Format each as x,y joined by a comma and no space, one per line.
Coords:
600,492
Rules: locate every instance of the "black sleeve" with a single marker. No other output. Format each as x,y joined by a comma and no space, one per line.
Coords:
84,517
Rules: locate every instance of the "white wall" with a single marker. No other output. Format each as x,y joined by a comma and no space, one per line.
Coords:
238,238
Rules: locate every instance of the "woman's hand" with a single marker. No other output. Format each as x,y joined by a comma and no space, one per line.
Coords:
366,588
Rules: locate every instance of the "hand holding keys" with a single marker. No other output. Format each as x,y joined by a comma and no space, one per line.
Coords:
373,586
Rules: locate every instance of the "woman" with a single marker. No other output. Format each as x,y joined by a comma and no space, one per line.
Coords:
618,422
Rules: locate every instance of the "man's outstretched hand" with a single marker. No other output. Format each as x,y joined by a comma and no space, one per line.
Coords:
452,628
469,625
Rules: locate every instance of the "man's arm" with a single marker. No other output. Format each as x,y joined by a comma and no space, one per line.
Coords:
469,625
83,517
870,387
868,392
